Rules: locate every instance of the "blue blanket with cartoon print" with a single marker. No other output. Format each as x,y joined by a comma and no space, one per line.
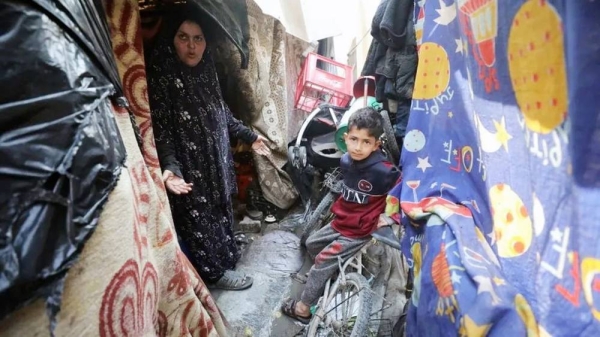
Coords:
501,190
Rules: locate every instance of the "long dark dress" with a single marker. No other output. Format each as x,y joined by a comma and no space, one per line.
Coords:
192,125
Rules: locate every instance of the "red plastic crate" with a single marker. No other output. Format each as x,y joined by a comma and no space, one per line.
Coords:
316,86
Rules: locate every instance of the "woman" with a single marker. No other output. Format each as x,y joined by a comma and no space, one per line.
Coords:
192,124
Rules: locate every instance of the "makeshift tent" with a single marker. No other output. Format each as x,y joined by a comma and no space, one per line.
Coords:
131,277
229,18
261,91
67,143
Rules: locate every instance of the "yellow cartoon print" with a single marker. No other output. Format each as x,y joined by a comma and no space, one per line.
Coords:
536,61
433,73
513,228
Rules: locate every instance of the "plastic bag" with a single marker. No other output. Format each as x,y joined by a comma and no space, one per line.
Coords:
60,149
232,19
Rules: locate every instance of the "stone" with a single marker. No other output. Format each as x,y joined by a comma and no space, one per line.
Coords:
248,225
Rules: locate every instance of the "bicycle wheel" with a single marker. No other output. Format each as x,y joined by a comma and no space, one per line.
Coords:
348,313
318,217
390,144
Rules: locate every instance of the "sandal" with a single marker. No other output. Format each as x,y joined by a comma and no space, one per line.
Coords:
241,239
288,308
232,280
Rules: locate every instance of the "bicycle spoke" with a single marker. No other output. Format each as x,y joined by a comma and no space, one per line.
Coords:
385,303
347,313
380,310
344,306
354,295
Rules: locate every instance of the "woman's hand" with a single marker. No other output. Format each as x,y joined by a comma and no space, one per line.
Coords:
260,146
175,184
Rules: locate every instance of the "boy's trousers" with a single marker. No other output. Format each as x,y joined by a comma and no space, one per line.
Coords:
325,246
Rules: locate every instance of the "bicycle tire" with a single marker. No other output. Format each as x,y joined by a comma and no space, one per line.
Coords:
365,298
390,135
315,220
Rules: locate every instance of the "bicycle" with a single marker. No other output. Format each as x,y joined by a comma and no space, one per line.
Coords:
322,213
327,320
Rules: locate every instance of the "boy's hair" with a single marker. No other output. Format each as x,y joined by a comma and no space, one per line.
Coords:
369,119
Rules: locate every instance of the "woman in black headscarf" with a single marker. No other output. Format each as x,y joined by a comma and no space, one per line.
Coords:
192,125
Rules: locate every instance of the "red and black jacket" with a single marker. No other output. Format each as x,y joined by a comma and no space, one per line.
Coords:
366,184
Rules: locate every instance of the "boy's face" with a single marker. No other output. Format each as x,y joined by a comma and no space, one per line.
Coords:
360,143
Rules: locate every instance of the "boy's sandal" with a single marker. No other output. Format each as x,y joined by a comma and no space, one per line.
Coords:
288,308
233,281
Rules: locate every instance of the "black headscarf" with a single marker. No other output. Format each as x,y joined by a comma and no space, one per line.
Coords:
190,119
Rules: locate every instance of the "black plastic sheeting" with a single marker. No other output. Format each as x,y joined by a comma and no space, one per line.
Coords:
60,149
231,17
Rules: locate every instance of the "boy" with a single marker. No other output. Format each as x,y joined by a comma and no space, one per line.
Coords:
368,176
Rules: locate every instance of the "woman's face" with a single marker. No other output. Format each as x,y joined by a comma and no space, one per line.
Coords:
189,43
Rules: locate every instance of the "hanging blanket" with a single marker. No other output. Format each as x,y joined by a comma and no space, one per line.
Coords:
261,96
501,170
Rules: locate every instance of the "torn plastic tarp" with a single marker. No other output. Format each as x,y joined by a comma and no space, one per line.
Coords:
232,18
60,149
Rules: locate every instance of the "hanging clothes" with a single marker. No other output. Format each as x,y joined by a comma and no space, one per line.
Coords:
392,59
392,56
